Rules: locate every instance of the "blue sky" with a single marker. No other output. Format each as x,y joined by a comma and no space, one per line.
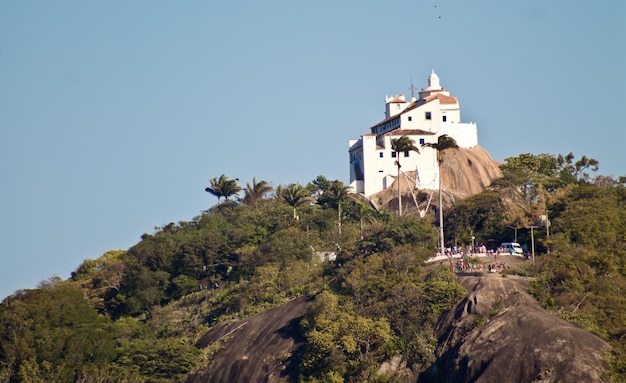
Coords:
114,115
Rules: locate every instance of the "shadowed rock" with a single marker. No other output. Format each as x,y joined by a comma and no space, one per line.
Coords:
256,349
499,333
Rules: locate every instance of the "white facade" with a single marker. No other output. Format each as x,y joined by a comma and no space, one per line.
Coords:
372,161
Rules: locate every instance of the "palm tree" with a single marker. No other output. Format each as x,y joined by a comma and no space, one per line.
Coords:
215,188
295,195
402,144
334,195
443,142
223,187
255,192
361,210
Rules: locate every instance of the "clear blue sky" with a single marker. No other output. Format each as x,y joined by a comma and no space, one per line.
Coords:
115,114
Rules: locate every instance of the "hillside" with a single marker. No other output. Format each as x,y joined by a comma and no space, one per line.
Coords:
465,171
496,333
242,292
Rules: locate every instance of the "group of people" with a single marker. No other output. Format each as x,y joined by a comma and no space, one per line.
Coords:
497,267
462,265
478,249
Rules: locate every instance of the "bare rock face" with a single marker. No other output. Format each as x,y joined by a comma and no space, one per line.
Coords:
256,349
468,171
465,172
499,333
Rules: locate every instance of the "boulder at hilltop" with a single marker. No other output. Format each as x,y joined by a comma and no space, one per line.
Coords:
465,172
499,333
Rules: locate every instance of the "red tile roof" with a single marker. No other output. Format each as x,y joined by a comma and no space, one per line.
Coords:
396,99
408,132
442,98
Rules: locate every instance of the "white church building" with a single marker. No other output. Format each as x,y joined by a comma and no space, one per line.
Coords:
423,120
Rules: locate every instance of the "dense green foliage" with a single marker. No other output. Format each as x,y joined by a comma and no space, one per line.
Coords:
134,315
579,235
51,334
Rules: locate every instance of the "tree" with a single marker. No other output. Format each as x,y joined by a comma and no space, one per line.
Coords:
577,170
484,215
340,341
295,195
50,333
332,196
255,192
223,187
361,210
318,186
397,232
443,142
591,216
402,144
538,167
550,171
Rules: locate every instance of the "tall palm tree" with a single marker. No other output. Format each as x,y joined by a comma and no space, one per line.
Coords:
223,187
295,195
255,192
443,142
402,144
362,210
215,188
335,194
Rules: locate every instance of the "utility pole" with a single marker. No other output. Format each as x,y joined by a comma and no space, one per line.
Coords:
545,209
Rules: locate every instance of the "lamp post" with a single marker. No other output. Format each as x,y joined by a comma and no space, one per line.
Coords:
514,228
441,237
472,252
532,242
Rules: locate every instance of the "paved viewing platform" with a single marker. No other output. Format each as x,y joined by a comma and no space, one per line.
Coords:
483,264
440,257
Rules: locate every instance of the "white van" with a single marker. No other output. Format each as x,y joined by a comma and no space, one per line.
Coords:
511,248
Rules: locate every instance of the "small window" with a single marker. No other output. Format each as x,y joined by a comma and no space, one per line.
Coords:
410,118
428,116
422,142
380,154
406,153
444,119
393,154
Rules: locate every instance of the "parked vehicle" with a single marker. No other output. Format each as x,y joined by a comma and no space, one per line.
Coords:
512,248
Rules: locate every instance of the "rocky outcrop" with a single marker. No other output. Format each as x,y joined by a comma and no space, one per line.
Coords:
468,171
499,333
256,349
465,172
